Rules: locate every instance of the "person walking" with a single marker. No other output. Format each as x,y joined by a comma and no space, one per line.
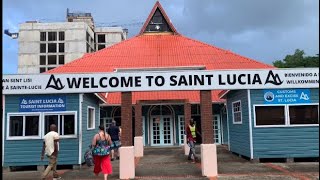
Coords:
51,148
191,139
115,133
102,163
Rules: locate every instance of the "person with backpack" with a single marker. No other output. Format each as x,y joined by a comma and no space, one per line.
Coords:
101,153
115,133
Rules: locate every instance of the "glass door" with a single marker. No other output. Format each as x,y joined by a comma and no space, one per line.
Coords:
217,129
161,129
181,129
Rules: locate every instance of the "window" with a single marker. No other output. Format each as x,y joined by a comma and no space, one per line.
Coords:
101,38
42,69
236,112
91,118
88,48
43,36
61,36
287,115
67,126
49,68
195,109
270,115
52,36
64,122
16,126
92,42
87,36
61,59
101,46
158,23
52,47
43,48
50,119
43,60
23,126
61,47
52,59
304,114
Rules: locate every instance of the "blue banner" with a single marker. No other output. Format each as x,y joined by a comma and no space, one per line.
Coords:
42,104
287,96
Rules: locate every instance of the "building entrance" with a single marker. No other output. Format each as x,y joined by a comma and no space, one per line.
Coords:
161,131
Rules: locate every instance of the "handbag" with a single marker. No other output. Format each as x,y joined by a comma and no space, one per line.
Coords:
101,149
88,157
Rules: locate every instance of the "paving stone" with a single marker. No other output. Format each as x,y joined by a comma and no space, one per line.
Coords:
171,163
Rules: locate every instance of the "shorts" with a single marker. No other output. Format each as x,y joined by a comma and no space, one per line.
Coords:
115,144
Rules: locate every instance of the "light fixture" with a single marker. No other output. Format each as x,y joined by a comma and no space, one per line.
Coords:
157,27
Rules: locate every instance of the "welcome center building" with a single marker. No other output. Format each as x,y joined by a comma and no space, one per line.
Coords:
151,85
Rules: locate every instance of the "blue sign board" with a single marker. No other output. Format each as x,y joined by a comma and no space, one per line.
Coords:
286,96
42,104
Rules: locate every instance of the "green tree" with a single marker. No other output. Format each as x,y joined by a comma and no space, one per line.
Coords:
298,59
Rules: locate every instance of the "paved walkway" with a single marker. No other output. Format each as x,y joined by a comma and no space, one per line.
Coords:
170,163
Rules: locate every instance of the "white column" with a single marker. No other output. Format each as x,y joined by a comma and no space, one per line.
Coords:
209,163
138,146
127,167
186,147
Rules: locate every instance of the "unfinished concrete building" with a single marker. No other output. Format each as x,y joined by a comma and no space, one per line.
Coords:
44,46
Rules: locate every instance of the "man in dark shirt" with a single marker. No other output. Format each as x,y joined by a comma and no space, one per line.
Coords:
115,132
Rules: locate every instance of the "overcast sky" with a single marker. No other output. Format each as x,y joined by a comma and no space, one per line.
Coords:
264,30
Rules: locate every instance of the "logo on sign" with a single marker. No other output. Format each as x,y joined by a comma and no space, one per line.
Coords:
24,101
273,79
56,83
304,96
60,101
269,96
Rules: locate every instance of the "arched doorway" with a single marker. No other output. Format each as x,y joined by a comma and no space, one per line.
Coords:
161,125
116,115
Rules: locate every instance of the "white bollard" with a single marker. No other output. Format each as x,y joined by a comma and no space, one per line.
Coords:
127,167
209,163
186,147
138,146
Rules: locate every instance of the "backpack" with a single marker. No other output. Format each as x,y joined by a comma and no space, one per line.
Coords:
102,148
88,157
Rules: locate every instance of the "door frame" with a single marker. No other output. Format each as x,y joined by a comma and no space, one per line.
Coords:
219,127
143,130
161,133
180,140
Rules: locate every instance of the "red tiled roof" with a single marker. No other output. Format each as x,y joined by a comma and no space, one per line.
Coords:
159,50
191,96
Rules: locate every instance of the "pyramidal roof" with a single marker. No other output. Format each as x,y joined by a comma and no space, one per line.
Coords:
156,47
